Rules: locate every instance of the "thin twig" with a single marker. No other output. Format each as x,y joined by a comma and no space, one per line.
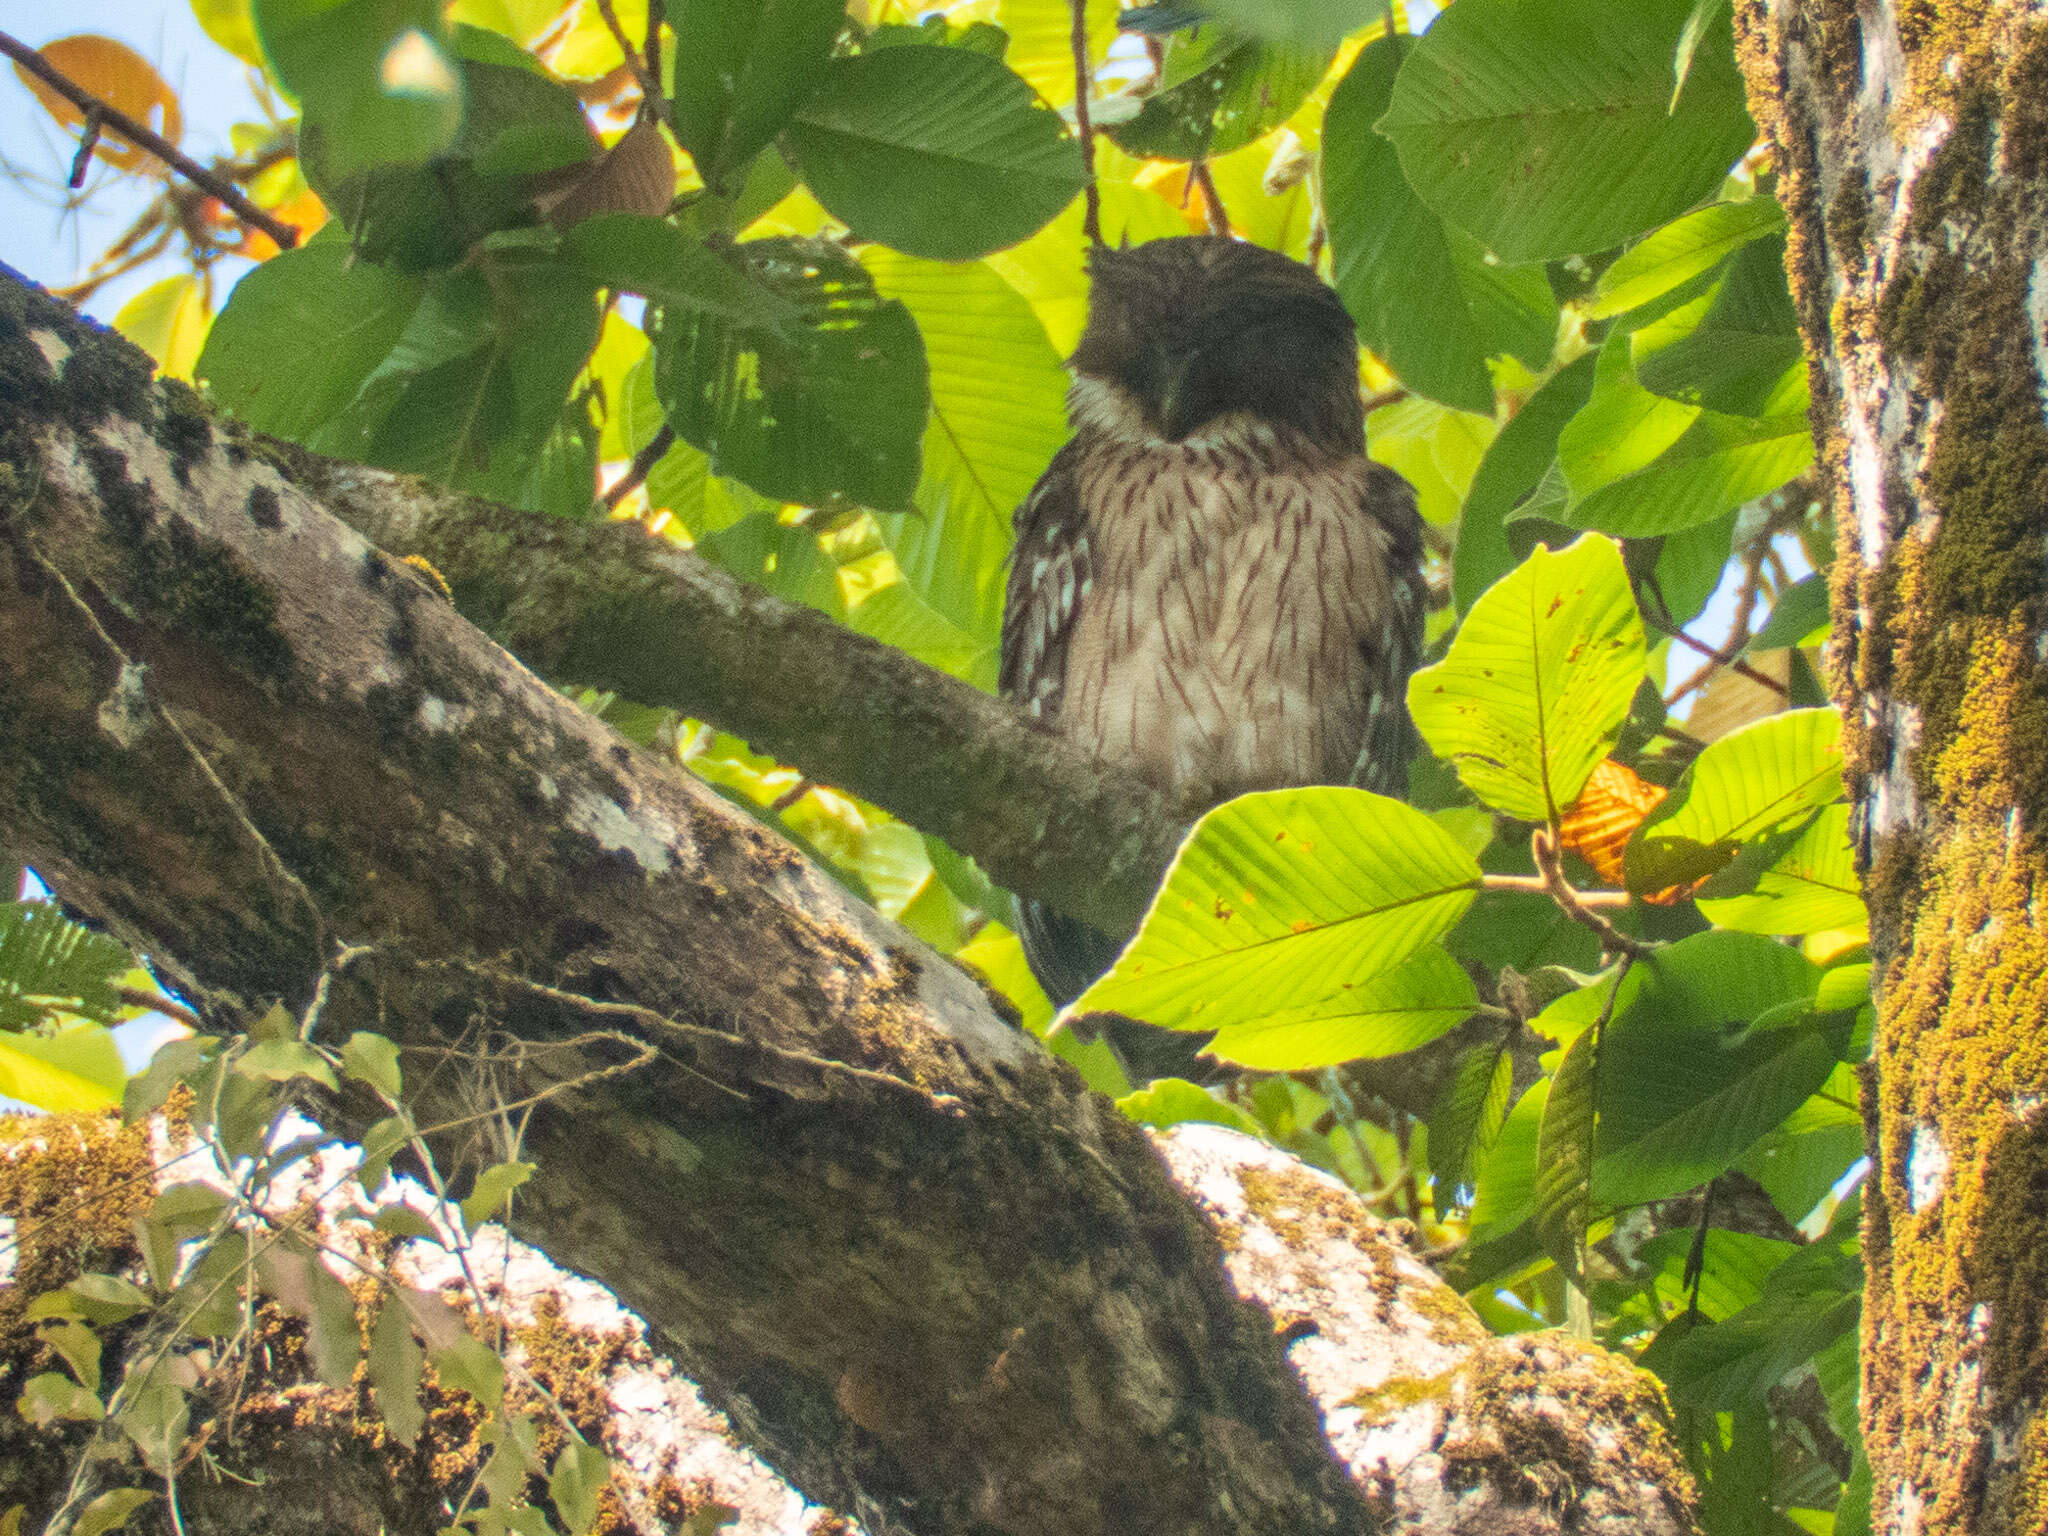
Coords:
88,141
1716,659
1091,206
1212,201
1536,885
657,13
156,1002
230,196
1550,862
650,86
643,464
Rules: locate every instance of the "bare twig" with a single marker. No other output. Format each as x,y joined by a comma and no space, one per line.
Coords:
643,464
650,84
1726,656
1091,209
1550,863
1536,885
156,1002
657,13
230,196
1212,200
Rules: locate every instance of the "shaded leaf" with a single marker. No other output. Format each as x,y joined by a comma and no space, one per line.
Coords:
742,68
1549,129
1469,1114
1669,257
1219,90
395,1360
940,152
840,410
1811,887
1390,255
1515,462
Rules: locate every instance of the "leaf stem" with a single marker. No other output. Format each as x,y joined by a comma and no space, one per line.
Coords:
1549,857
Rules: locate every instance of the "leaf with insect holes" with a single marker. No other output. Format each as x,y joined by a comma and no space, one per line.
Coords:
1287,899
1538,680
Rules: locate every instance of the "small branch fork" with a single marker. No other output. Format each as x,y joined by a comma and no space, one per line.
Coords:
99,115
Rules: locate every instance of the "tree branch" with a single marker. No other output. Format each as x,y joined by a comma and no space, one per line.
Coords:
784,1147
99,114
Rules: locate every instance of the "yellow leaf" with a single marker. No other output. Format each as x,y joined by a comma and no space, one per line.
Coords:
120,77
168,320
79,1070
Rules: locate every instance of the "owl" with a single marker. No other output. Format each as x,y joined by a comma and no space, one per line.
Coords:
1213,587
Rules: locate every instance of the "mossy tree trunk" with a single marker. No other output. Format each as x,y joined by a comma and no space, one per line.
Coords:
1913,158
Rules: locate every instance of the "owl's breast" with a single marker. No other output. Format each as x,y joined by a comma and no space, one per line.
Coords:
1219,648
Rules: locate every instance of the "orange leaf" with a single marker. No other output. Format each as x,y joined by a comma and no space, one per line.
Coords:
305,213
120,77
1609,809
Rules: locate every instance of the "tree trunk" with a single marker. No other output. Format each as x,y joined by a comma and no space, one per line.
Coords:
936,1281
1913,159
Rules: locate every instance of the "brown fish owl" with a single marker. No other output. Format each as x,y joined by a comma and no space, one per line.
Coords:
1212,583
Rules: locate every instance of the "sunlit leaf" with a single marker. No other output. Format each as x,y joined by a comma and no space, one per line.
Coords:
1425,996
168,321
1283,900
1754,781
1812,887
1666,258
1537,681
1613,804
78,1071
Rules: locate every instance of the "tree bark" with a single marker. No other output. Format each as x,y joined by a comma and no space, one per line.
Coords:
1912,146
938,1283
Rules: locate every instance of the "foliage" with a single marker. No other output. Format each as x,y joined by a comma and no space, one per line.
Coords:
825,323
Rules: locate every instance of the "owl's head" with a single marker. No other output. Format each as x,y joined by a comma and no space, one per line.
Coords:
1193,328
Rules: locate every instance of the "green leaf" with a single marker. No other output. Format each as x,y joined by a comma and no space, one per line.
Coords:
1174,1101
1736,348
395,1359
77,1345
51,1397
630,253
1305,23
475,386
1798,617
1468,1116
1565,1144
300,1282
742,68
579,1476
940,152
998,414
1218,91
1712,1050
1537,681
1041,41
1545,126
1669,257
373,78
373,1059
110,1511
1390,255
1285,899
1751,782
469,1365
78,1071
1622,428
1425,996
1811,888
838,411
493,1189
1505,1191
102,1299
279,1061
1716,465
51,966
1515,461
380,1144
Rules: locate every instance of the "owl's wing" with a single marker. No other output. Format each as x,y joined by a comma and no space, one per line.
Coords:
1393,648
1050,574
